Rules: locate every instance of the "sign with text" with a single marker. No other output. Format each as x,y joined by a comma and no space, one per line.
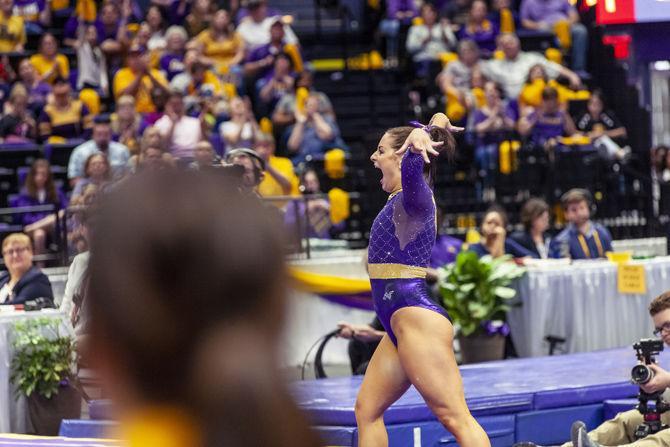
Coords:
631,279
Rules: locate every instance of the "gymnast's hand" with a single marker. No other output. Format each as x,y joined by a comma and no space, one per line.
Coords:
419,142
660,382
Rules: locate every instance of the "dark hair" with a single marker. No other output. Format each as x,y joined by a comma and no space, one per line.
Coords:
177,303
549,93
497,87
44,37
161,12
597,93
400,134
575,195
283,55
495,208
531,210
660,303
91,157
49,186
546,78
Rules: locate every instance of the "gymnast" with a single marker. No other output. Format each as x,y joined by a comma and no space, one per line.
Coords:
417,348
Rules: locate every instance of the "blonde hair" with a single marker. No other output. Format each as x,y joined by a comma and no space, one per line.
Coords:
17,238
18,90
126,100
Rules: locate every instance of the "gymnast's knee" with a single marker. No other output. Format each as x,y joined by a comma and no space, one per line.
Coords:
366,412
455,421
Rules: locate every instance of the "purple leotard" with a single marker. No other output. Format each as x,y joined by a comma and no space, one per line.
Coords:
401,240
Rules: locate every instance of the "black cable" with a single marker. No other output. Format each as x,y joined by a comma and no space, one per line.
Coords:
304,363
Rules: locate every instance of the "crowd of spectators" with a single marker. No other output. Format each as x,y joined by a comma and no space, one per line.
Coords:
174,85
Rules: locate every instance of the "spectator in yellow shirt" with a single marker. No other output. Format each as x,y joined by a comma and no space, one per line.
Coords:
12,31
279,180
48,62
221,43
137,80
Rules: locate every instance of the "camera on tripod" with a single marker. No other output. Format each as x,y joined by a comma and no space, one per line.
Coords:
646,351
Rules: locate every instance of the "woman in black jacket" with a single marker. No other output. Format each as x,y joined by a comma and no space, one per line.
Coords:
23,281
535,219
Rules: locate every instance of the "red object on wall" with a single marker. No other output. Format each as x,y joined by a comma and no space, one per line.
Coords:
609,12
621,44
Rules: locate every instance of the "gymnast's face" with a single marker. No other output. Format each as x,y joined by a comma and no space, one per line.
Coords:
386,160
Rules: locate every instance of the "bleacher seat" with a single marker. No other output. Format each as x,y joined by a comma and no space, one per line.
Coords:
14,155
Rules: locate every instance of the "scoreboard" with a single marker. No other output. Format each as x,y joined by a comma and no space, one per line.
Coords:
611,12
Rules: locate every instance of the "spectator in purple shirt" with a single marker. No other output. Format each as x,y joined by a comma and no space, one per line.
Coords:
480,29
40,189
398,13
544,14
491,125
259,61
546,125
38,91
172,61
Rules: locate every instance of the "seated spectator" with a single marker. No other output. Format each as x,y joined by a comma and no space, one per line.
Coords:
242,128
312,134
511,72
18,126
221,43
479,29
494,237
159,97
455,80
12,29
504,16
531,94
398,13
363,341
138,80
535,220
155,18
72,303
604,128
254,169
126,124
313,214
204,157
40,189
91,62
198,19
545,126
279,180
284,112
23,281
97,172
255,28
427,41
581,238
64,119
38,91
116,153
48,62
110,26
275,85
492,124
172,60
259,61
204,89
151,158
457,11
546,15
180,132
36,14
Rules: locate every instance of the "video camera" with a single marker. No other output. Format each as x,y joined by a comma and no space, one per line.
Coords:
646,351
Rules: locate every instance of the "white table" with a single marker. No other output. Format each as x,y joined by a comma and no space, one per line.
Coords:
13,411
580,302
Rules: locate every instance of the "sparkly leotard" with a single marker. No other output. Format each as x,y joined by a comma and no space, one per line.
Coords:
401,240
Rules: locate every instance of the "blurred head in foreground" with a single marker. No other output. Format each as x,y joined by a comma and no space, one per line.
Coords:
187,300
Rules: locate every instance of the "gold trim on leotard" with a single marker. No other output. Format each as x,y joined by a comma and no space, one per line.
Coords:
395,271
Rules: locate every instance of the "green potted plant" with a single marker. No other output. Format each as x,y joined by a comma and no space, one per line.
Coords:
43,368
475,292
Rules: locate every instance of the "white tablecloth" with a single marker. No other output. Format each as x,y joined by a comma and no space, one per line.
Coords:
13,411
581,303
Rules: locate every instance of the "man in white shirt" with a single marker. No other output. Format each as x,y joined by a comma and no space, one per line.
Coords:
255,28
512,71
181,133
117,154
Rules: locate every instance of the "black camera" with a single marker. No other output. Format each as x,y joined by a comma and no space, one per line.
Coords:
646,350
